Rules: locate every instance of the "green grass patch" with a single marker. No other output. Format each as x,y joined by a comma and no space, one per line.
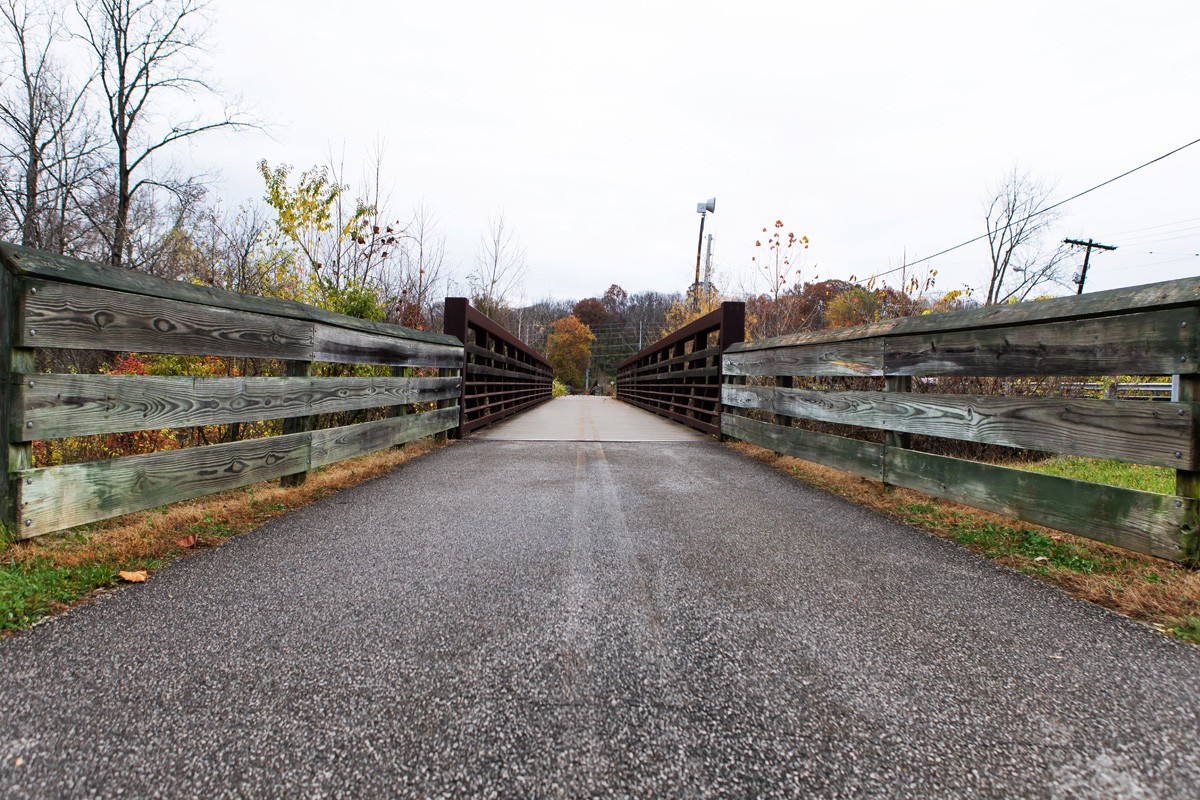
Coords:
1111,473
1188,630
1035,551
31,590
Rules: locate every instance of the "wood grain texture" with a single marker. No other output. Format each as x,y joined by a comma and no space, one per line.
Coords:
63,315
54,498
1150,343
36,264
84,405
1141,521
1136,431
346,346
849,455
337,444
852,359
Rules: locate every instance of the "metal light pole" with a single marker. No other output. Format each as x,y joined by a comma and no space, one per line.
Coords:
702,209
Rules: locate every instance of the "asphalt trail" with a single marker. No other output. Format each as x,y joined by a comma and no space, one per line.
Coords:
582,618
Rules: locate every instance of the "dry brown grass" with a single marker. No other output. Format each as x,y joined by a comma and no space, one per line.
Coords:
153,535
1164,595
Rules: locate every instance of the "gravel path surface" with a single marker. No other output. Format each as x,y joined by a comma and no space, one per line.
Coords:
576,618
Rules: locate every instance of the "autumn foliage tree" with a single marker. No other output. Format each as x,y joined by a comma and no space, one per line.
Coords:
590,312
569,350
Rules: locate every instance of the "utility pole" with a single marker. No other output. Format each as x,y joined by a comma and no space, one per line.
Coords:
708,266
1089,244
702,209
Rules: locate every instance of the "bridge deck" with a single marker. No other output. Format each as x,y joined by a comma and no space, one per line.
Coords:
579,618
589,419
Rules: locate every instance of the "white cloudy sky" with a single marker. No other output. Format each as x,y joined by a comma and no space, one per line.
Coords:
874,128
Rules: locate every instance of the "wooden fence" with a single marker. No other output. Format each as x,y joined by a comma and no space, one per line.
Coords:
1149,330
502,375
679,377
60,303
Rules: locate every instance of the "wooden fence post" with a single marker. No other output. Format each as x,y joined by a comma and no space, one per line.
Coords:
8,507
297,369
1187,482
894,440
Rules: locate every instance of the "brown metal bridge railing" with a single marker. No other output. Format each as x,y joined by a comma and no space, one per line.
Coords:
502,375
679,377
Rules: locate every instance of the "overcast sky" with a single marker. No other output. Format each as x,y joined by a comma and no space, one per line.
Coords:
873,128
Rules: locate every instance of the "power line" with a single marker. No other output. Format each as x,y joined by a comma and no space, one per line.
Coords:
1036,213
1152,227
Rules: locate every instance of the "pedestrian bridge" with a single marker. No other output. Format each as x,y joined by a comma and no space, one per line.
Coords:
578,596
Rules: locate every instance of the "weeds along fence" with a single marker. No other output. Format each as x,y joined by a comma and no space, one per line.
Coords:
679,377
502,375
1146,331
411,379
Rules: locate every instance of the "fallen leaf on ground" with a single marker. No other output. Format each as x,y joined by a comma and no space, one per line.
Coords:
186,541
135,576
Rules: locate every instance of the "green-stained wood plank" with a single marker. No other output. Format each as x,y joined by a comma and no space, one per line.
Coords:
1167,294
348,346
337,444
850,455
1149,343
54,498
37,264
50,406
855,358
63,315
1141,521
1136,431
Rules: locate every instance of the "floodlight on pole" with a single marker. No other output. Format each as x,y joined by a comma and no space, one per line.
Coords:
702,208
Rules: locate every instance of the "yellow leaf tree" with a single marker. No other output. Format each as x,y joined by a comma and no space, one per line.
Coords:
569,350
698,301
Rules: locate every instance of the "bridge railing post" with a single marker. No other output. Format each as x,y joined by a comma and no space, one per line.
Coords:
454,323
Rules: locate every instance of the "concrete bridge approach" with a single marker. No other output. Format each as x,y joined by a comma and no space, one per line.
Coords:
587,600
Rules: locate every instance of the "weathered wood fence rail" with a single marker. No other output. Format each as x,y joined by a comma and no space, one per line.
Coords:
679,377
54,302
1149,330
502,375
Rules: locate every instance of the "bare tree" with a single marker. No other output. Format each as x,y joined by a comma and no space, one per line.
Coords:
1018,219
45,135
422,261
499,268
146,51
